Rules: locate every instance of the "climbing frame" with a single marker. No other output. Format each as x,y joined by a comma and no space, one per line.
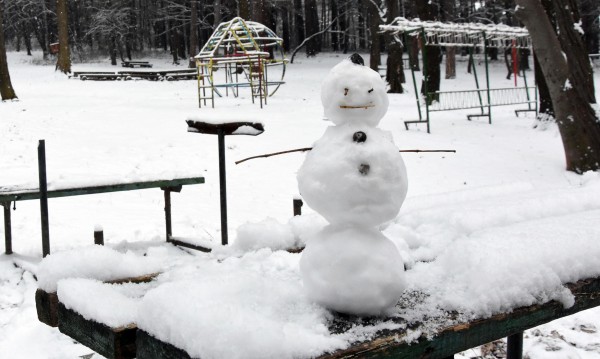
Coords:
245,50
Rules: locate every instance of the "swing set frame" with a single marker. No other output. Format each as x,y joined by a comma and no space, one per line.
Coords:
471,36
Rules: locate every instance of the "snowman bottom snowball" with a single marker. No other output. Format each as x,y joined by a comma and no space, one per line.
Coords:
354,270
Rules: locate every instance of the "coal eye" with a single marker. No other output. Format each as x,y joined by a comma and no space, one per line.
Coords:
346,91
371,90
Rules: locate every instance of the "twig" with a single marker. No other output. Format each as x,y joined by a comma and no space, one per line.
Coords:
304,149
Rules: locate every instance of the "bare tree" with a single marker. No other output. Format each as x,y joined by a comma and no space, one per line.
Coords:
569,77
395,65
6,90
428,10
193,33
64,55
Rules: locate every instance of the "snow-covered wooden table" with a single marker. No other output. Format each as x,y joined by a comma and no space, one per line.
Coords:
452,337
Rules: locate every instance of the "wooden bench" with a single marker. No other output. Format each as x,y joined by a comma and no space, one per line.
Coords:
133,64
14,194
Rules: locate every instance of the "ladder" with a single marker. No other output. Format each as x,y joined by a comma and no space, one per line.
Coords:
256,77
205,83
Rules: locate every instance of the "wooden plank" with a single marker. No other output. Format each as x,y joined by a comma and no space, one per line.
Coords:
8,195
46,305
149,347
189,245
113,343
463,336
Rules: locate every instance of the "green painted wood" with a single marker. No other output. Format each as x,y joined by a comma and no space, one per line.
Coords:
10,194
149,347
113,343
46,305
463,336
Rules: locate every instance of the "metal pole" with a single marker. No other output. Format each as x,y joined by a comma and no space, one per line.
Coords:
223,186
168,213
487,78
472,59
514,346
7,229
43,197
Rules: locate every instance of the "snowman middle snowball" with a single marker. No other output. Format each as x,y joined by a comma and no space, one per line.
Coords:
354,177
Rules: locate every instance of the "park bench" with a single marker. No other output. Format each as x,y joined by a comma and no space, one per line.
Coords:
16,193
447,341
145,75
133,64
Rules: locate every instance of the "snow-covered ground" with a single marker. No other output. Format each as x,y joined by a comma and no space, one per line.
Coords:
496,225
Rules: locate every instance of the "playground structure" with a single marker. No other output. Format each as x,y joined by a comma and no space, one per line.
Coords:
246,52
471,36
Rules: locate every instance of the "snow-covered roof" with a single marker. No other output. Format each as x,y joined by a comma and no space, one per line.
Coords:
462,34
240,36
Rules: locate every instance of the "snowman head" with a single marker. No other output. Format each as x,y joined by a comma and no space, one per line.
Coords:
354,94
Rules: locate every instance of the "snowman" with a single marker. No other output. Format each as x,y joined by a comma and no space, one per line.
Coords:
354,177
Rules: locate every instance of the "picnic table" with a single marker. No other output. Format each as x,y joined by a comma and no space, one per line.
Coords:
448,340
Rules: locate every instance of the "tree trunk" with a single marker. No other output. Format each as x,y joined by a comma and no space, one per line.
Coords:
113,50
577,121
431,61
193,34
334,35
413,53
6,90
450,62
545,108
312,26
244,9
394,74
375,48
298,34
64,55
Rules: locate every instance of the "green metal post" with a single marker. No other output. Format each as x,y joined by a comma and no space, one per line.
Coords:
487,78
476,80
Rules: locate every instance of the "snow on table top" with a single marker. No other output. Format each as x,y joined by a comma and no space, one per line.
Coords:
114,305
93,262
220,118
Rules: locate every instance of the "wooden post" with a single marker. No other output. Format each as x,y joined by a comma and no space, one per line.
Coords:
98,236
7,229
298,206
43,197
514,346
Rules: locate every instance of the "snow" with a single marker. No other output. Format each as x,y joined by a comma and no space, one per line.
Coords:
98,301
93,262
501,213
331,183
353,94
353,269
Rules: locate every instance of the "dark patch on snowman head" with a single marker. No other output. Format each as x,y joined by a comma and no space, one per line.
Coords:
364,169
357,59
359,137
